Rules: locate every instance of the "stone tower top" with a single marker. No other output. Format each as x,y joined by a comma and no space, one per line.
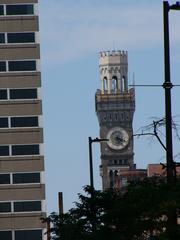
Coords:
113,66
113,57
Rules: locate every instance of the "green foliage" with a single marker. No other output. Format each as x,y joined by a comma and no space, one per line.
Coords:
144,210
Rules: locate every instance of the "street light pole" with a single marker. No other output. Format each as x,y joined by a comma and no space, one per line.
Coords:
167,86
91,163
92,207
171,171
91,159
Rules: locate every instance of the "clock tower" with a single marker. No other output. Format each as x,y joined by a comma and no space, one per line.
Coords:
115,106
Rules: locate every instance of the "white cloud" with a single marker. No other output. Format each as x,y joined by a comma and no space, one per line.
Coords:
68,33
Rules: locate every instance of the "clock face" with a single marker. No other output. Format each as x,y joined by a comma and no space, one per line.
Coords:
118,138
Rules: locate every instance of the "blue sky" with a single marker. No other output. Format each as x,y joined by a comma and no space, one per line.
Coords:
72,33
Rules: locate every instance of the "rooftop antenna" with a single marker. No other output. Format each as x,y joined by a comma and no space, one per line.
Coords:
133,82
113,45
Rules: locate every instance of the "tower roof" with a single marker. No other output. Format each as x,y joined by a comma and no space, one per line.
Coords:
113,57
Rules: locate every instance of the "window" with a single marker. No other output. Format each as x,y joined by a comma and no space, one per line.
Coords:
120,162
116,116
23,93
20,37
4,178
28,235
20,9
22,65
105,84
5,207
2,66
1,10
4,150
2,38
4,122
6,235
104,117
125,161
25,149
26,178
110,117
110,162
3,94
24,121
114,84
29,206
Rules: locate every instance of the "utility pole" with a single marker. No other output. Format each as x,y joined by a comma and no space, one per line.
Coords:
167,87
171,166
60,202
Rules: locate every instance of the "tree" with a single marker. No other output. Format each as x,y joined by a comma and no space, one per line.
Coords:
138,212
154,130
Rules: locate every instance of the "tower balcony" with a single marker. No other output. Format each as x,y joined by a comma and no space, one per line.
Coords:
115,101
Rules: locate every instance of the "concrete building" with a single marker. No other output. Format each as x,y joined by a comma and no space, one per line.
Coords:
115,106
22,189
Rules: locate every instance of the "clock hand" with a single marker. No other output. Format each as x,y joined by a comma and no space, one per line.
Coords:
120,139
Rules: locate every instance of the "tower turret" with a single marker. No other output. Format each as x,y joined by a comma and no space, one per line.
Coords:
113,68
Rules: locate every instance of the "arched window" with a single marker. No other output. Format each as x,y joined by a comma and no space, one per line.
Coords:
124,84
116,179
111,178
115,173
110,173
114,84
105,83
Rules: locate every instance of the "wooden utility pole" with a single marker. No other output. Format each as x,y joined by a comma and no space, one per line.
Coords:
60,202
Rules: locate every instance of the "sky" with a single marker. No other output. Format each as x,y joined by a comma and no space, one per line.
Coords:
72,33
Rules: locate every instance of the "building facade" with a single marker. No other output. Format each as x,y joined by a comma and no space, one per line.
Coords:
22,188
159,170
115,106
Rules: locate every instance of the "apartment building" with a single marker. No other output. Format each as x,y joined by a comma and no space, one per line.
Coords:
22,188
